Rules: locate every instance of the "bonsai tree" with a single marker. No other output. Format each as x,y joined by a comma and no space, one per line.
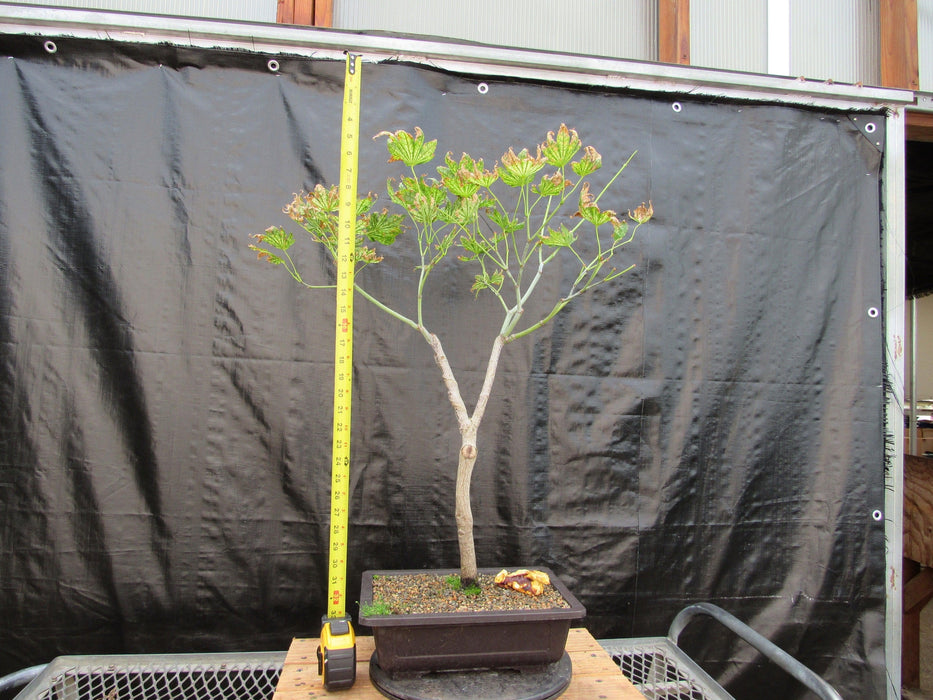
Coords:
508,222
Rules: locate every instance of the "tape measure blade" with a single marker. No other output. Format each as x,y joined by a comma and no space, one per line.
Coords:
343,343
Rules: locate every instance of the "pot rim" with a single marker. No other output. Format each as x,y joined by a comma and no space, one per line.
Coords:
575,611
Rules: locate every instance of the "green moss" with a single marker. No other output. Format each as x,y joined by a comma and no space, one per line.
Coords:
456,584
377,607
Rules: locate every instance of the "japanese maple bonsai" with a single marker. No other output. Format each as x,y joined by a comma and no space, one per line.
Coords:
508,222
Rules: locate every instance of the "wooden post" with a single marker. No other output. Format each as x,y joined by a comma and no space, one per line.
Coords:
900,64
917,577
311,13
674,31
323,13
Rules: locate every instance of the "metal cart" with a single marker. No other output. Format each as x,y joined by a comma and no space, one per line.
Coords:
662,671
235,676
655,665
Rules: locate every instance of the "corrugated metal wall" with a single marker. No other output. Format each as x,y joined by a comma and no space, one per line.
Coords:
837,39
617,28
825,39
245,10
925,31
729,34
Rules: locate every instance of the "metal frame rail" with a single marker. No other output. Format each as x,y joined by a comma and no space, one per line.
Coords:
233,676
662,671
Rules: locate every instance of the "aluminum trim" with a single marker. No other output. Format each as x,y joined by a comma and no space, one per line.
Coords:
894,247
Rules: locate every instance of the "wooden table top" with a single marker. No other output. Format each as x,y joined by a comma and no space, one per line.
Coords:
595,674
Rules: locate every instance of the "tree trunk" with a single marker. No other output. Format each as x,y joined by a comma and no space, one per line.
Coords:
464,511
469,427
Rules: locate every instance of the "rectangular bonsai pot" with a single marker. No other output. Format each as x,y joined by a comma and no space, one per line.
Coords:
469,640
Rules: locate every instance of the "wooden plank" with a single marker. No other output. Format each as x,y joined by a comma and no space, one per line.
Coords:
284,11
900,63
918,591
674,31
323,13
910,650
579,640
910,636
920,128
918,509
595,675
295,12
596,688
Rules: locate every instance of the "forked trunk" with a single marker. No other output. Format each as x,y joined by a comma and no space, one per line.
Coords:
469,427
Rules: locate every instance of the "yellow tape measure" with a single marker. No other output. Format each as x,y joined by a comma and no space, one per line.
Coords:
337,653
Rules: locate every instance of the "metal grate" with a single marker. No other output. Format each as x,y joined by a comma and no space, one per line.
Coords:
167,677
661,671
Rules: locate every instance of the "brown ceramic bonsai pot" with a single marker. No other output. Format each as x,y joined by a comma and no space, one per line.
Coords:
469,640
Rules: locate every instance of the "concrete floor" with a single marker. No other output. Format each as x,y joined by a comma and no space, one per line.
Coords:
925,691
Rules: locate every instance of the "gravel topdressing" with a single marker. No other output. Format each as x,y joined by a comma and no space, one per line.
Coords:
431,593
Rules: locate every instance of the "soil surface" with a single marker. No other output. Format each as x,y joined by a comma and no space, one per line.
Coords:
432,593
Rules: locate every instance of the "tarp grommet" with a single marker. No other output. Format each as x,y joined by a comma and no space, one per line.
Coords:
50,46
482,88
273,65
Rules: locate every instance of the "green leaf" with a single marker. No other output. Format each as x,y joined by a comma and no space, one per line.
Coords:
620,230
382,227
264,254
475,247
590,211
561,238
597,216
559,148
464,178
429,204
642,213
410,149
461,188
551,185
324,199
277,237
364,204
367,256
456,176
316,212
520,170
504,222
424,201
485,281
444,246
484,178
463,212
589,163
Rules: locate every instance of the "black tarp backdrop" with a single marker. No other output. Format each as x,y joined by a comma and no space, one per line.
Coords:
709,428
